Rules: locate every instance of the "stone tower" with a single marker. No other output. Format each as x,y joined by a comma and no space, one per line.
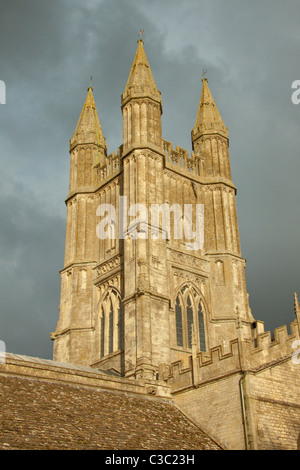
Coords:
153,267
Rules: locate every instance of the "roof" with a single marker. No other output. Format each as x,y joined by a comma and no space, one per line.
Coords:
42,411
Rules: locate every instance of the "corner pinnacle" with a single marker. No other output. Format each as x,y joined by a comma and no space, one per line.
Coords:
88,129
208,118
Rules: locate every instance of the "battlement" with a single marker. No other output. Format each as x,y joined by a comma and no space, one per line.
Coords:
180,158
177,158
266,349
246,355
109,167
205,366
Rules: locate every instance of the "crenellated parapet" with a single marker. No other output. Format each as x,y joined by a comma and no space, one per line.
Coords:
109,167
205,366
180,159
196,166
267,349
241,356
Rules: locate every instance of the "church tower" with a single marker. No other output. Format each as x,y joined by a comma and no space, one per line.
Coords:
153,267
73,339
146,305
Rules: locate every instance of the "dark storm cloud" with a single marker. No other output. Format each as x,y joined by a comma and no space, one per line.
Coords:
31,255
48,52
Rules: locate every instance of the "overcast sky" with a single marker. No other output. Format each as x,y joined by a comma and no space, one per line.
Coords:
49,50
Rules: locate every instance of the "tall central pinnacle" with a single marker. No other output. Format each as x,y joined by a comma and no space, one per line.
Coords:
140,82
141,106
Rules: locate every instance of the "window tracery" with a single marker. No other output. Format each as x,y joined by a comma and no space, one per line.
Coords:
190,318
111,323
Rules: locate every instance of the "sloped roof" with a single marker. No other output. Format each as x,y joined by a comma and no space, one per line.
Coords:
41,412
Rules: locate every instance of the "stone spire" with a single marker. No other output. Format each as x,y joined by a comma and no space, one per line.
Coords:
140,82
208,120
88,129
141,106
210,137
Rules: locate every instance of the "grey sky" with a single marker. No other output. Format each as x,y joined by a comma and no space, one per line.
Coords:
49,50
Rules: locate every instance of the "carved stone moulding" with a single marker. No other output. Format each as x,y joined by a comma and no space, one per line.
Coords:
107,268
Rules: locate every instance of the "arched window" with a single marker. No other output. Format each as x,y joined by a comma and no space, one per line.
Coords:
102,328
111,329
190,319
179,328
111,323
120,324
201,328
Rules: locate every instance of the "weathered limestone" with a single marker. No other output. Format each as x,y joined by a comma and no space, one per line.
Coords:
140,299
144,273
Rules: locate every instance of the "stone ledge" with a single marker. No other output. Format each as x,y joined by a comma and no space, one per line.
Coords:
44,369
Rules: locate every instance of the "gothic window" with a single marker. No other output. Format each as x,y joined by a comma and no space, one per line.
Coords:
120,324
102,326
111,328
201,327
190,319
111,323
179,329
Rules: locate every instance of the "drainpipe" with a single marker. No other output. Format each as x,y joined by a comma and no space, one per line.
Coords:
243,409
241,346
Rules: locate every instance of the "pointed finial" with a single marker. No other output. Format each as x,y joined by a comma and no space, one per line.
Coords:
90,87
297,310
203,75
140,36
296,303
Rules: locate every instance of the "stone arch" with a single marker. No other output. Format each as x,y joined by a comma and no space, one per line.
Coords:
191,317
111,322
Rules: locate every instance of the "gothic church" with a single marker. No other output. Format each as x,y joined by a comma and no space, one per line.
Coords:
167,313
137,303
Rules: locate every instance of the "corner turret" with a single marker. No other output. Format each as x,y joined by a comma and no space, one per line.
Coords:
210,136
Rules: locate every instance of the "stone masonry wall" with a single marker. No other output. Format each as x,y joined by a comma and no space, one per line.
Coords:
275,401
216,407
260,378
